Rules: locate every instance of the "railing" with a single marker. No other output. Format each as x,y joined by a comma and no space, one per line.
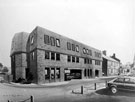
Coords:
31,100
93,86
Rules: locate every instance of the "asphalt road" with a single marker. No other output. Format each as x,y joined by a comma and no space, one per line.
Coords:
63,93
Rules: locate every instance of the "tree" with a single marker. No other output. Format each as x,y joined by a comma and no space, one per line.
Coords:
5,69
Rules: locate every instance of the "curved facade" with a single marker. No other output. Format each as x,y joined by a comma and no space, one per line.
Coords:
18,55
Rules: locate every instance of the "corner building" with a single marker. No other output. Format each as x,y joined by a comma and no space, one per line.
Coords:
18,56
52,57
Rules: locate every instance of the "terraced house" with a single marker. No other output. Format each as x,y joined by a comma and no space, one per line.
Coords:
52,57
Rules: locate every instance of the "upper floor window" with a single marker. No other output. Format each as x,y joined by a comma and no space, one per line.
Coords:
46,39
73,47
84,50
87,51
32,39
47,55
32,55
73,59
52,56
57,57
77,48
69,58
58,42
68,45
52,41
77,59
97,62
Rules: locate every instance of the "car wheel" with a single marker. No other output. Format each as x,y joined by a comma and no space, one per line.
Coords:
114,90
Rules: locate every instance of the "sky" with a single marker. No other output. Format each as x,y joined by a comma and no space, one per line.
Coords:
103,24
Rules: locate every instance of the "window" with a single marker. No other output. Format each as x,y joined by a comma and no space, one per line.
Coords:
57,57
32,55
84,51
87,51
73,47
68,46
46,39
58,73
90,61
85,61
69,58
52,41
32,40
73,59
58,42
77,48
120,80
90,51
77,59
52,73
85,71
97,62
52,56
127,80
47,55
47,73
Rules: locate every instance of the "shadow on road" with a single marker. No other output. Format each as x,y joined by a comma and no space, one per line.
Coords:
106,91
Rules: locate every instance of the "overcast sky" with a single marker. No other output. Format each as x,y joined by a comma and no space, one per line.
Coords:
102,24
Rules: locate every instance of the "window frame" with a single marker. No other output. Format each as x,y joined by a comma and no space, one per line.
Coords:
57,42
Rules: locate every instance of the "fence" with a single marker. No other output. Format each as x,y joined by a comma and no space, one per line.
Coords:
31,99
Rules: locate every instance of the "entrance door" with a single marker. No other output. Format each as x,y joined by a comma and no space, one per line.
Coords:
96,73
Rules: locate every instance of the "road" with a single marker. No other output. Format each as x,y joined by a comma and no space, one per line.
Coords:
63,93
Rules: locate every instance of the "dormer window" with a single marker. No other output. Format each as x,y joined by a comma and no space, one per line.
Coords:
58,42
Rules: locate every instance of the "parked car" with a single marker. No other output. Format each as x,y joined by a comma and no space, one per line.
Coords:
122,83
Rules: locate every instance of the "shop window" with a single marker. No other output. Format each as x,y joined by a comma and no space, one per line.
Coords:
58,73
77,59
52,56
52,73
68,45
58,42
57,57
47,73
46,39
69,58
73,59
47,55
52,41
77,48
73,47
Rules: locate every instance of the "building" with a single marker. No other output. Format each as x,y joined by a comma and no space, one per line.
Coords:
52,57
18,55
110,66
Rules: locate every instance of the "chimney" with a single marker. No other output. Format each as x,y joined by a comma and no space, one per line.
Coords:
104,52
114,55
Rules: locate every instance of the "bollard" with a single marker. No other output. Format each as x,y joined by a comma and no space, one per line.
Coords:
95,86
31,99
106,84
81,89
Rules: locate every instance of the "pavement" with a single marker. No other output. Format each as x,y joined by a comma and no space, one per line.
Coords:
58,83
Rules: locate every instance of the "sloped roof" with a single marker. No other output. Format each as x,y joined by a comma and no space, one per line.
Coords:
109,58
19,42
